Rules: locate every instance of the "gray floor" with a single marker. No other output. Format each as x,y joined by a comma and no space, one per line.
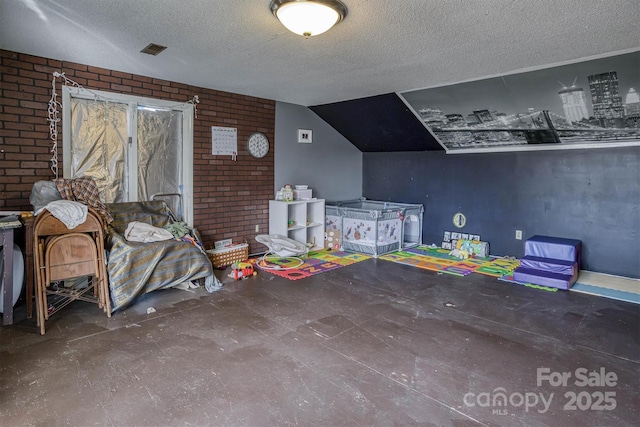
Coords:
375,343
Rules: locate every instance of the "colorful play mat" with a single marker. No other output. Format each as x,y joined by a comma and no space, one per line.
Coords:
315,262
439,260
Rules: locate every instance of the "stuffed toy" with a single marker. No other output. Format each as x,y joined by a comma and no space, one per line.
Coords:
459,253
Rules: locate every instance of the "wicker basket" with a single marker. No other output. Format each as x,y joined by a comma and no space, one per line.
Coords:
226,256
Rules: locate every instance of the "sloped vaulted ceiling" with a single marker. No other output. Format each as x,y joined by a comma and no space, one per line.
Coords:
382,47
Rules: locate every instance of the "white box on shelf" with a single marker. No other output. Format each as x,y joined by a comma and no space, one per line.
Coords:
302,194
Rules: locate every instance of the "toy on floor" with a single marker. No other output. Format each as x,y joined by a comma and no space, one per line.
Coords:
242,270
459,253
465,248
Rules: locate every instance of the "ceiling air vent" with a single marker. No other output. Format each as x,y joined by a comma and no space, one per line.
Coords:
153,49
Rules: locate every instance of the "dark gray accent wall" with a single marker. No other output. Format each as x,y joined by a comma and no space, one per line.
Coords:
330,165
592,195
378,123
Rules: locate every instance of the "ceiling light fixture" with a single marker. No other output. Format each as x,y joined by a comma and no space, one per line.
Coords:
308,17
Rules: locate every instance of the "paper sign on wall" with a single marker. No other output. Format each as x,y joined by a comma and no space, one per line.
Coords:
224,141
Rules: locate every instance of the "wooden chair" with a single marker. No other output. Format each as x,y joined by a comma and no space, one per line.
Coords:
61,255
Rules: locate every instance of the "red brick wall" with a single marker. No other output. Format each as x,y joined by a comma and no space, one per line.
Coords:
230,197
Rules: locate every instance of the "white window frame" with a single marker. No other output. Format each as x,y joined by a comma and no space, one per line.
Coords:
69,92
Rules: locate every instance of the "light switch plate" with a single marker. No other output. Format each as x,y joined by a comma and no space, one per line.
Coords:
305,136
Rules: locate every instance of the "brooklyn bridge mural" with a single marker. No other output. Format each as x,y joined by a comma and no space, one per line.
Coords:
594,103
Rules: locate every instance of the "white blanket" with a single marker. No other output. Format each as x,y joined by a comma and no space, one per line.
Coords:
70,213
142,232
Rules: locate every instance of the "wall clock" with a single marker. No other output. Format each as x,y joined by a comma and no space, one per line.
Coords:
459,220
258,145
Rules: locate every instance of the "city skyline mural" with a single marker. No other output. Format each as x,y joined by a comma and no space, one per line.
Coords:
592,103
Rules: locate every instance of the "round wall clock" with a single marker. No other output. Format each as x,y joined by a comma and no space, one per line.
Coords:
258,145
459,220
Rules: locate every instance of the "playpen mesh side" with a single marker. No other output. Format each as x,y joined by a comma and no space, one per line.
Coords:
412,226
332,218
334,214
375,250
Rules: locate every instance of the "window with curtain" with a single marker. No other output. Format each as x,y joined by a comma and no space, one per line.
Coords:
134,148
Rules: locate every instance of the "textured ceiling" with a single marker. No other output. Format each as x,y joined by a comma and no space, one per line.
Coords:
381,47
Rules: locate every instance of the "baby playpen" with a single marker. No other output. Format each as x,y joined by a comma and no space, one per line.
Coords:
375,227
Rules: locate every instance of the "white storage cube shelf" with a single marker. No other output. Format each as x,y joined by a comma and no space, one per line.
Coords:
300,220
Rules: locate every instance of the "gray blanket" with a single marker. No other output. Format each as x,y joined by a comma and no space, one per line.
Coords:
137,268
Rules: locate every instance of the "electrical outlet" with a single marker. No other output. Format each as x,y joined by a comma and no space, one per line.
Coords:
518,234
257,228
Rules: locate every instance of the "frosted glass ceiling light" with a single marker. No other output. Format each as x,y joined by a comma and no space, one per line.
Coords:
308,17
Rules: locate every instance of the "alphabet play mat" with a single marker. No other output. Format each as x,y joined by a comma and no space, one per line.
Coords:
433,259
315,262
437,259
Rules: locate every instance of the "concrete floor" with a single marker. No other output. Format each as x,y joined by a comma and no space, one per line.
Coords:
375,343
